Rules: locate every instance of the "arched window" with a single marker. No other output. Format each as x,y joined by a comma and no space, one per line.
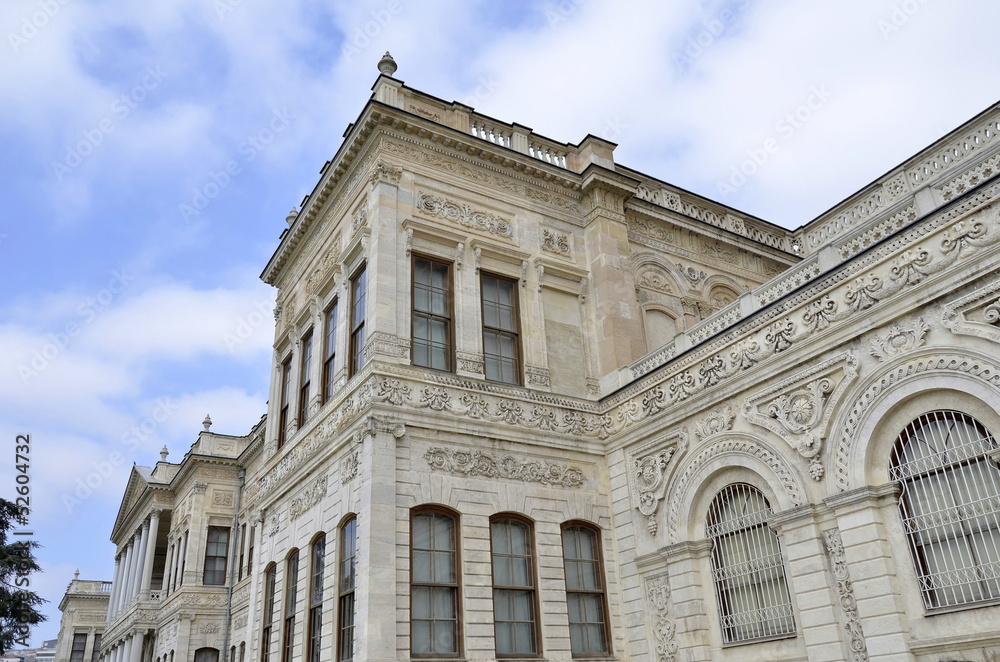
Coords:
291,605
243,651
270,580
206,655
514,596
588,623
950,506
315,636
433,584
348,580
747,568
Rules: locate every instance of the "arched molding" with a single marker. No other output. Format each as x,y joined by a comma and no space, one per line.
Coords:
966,381
718,461
645,261
676,316
720,281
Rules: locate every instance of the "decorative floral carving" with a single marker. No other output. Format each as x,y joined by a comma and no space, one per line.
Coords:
898,340
745,354
349,466
820,313
434,397
220,498
779,335
664,630
862,294
845,590
465,215
385,172
712,370
240,621
962,236
309,497
693,276
505,466
715,422
650,473
209,628
556,242
653,279
537,376
386,344
960,316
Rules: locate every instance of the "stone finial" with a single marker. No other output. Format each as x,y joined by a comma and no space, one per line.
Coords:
164,453
207,422
76,575
292,215
387,65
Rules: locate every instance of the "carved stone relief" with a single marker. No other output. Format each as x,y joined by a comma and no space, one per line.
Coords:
503,465
898,340
845,591
664,631
649,471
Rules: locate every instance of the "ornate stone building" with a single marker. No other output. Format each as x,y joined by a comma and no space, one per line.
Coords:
84,610
527,402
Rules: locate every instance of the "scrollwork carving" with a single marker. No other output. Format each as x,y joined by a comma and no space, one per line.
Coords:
505,466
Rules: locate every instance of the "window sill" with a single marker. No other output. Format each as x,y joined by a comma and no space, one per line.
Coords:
935,611
761,640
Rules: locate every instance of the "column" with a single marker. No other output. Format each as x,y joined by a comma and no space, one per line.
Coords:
88,651
140,558
147,564
136,652
127,650
679,598
125,575
115,587
132,568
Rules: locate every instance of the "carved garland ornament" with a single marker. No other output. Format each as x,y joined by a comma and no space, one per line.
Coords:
308,498
799,409
505,466
556,242
650,472
465,215
664,630
845,590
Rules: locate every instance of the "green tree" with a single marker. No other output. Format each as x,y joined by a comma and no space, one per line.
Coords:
18,604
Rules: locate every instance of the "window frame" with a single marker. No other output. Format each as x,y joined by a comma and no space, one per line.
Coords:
283,395
602,590
346,595
359,314
219,530
456,586
515,333
329,348
267,625
533,589
243,547
448,318
305,376
96,653
81,650
291,606
314,603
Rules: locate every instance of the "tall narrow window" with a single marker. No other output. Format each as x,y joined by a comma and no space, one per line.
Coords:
79,647
270,579
243,651
588,623
514,604
358,287
291,605
500,328
329,350
316,600
434,585
184,553
346,581
432,329
250,551
747,567
215,556
286,378
243,546
950,507
305,378
96,655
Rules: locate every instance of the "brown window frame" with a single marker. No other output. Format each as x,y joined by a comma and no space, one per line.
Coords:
291,605
515,333
78,637
346,594
243,547
448,319
603,590
218,530
286,375
95,655
270,586
250,550
329,348
317,577
455,586
305,377
356,351
533,556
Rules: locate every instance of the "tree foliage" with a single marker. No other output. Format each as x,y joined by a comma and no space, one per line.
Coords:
18,604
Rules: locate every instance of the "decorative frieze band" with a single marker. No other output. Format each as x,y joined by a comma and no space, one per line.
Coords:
505,466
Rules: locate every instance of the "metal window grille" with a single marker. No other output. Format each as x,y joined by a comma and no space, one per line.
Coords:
747,568
950,507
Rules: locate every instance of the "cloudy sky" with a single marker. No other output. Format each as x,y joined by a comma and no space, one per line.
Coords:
151,151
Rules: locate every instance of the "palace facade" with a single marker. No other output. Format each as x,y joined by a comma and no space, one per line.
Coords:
529,403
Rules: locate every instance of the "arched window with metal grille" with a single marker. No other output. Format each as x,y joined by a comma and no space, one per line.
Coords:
747,567
949,503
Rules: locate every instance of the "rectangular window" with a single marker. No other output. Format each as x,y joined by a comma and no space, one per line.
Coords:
184,553
291,604
500,329
434,585
305,378
316,600
358,290
432,328
286,378
588,631
329,350
243,546
215,556
250,551
96,655
514,605
348,567
270,579
79,646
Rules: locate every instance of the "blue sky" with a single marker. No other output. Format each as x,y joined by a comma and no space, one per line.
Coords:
152,150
